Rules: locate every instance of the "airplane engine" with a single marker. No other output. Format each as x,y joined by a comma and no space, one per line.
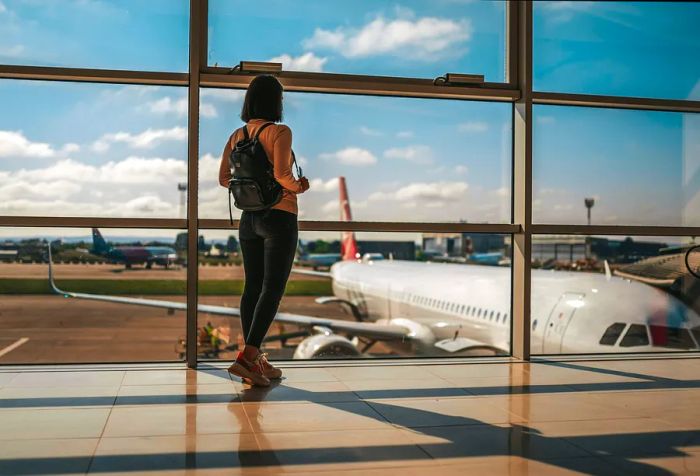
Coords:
327,346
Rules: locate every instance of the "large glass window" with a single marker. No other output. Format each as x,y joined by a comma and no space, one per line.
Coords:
403,159
649,297
638,167
109,34
96,150
424,284
39,324
411,38
645,49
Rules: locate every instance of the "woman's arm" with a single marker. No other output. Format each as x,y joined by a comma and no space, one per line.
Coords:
224,166
282,161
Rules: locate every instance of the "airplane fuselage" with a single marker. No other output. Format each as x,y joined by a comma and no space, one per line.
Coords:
571,311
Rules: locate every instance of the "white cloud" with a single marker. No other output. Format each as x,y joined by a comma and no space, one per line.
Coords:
15,144
2,8
562,11
12,51
546,119
422,38
425,192
404,134
135,186
432,191
351,156
209,168
70,148
132,170
319,185
331,207
370,132
144,140
179,107
305,62
502,192
230,95
473,127
418,154
461,169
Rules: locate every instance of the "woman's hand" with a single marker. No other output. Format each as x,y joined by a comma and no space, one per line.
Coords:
304,184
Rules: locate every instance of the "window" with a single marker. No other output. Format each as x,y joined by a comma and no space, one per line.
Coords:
93,150
635,257
696,333
111,34
636,336
583,153
115,264
612,333
369,37
431,149
617,48
671,337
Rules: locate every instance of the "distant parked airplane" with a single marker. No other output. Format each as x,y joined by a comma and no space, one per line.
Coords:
131,255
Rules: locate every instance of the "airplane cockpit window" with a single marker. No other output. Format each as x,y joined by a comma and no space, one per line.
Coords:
671,337
696,333
636,336
612,333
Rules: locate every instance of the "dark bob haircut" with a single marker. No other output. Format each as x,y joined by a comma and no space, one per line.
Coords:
263,100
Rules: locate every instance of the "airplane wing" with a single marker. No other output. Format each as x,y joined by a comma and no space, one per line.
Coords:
362,329
309,272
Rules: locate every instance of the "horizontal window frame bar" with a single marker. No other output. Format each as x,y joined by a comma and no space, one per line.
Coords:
632,230
616,102
364,85
83,75
378,226
90,222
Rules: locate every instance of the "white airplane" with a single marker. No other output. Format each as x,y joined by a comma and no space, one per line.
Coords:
445,309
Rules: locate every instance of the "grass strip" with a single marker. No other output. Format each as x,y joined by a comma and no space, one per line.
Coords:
152,287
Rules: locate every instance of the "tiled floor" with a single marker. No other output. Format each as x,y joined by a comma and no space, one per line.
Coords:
614,417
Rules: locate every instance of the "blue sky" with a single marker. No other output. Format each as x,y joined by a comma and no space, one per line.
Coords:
113,150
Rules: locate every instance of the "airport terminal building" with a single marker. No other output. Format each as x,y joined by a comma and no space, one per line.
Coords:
494,265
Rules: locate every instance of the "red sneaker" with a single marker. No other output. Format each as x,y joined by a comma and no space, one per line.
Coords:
269,370
250,372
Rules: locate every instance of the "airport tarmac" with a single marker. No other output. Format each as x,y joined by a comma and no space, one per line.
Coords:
114,271
61,330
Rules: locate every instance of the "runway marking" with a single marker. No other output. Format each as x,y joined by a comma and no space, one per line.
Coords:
13,346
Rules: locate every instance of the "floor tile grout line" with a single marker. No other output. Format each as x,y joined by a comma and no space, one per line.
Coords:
104,427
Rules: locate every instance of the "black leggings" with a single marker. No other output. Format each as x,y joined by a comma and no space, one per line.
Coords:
268,242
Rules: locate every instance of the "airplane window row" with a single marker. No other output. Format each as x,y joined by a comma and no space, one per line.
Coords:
463,309
659,336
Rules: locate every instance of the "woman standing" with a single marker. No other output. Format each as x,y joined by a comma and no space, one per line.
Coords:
268,238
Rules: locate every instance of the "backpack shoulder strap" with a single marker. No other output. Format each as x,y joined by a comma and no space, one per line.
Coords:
262,128
245,132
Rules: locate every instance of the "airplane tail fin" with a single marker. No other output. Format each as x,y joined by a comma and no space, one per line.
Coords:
348,244
99,245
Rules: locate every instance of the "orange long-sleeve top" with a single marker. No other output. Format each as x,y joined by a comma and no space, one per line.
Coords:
277,143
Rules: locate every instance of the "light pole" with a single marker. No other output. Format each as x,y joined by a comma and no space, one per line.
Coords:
182,188
589,204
